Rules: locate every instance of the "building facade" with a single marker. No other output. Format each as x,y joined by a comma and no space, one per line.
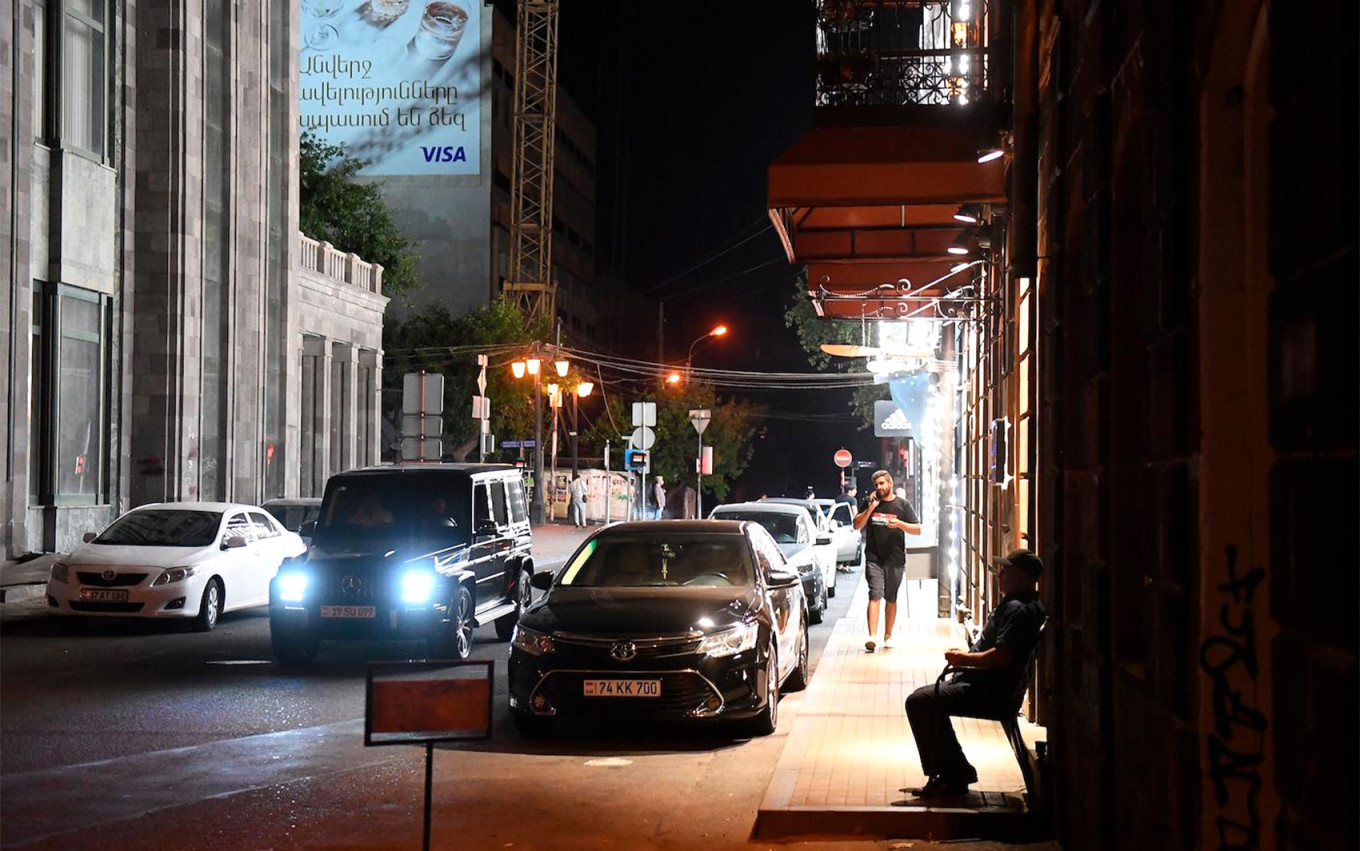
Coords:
154,294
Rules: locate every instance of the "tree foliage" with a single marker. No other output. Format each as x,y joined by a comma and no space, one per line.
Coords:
813,331
433,339
334,207
731,433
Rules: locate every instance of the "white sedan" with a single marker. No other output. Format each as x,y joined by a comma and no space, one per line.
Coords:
174,560
849,541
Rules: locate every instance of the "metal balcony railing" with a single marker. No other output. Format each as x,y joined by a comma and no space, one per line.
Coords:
906,53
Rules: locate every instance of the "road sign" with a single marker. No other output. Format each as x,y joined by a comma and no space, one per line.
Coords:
481,408
643,438
706,462
700,419
644,414
842,458
517,444
417,449
635,460
488,444
481,376
414,425
422,392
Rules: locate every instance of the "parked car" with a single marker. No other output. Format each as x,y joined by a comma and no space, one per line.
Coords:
420,551
174,560
825,546
795,533
848,540
294,512
688,620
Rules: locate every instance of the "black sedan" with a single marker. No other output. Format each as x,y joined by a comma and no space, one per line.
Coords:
678,620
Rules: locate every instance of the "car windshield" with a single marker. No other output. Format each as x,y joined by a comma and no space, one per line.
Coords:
367,512
782,527
661,560
163,527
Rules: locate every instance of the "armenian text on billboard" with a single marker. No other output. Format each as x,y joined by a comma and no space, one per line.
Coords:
397,82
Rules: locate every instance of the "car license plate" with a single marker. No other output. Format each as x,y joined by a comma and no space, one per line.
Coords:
97,595
623,688
349,612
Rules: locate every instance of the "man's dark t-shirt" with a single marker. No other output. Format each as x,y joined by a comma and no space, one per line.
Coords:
885,546
1014,624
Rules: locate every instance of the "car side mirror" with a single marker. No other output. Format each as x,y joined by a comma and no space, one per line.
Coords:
823,540
88,536
485,529
234,542
781,578
307,529
542,581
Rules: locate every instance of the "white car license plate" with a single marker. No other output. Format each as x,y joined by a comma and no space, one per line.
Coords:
623,688
97,595
349,612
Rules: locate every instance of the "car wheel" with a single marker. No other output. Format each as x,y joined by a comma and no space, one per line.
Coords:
293,648
765,723
532,726
815,615
454,639
798,679
209,607
524,595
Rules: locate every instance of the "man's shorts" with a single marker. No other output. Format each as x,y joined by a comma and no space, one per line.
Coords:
884,580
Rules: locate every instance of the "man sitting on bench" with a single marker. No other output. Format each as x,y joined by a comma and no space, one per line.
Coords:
986,680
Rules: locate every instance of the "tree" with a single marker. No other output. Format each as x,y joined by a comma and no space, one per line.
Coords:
335,207
437,341
814,330
731,433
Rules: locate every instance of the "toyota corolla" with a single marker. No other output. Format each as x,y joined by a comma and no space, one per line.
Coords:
681,620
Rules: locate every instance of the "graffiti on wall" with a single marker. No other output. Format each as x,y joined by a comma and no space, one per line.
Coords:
1235,743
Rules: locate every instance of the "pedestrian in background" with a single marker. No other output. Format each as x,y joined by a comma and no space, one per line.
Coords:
577,490
659,493
887,517
848,495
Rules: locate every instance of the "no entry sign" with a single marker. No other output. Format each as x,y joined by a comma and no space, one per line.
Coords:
842,458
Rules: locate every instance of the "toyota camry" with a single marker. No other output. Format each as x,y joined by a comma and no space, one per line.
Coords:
682,620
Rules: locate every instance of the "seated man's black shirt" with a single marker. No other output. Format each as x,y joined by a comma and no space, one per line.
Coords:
1014,624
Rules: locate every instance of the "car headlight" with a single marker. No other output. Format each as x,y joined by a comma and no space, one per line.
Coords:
292,586
174,574
417,586
730,641
61,572
532,641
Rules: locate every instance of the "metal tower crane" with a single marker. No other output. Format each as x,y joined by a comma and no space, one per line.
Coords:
530,282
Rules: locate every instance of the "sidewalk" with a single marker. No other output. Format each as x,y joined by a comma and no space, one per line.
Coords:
850,753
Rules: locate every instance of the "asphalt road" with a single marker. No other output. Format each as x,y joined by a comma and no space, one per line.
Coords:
146,735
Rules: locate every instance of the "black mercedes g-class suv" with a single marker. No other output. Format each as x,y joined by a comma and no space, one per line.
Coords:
419,551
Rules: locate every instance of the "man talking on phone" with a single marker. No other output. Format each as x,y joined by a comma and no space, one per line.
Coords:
889,518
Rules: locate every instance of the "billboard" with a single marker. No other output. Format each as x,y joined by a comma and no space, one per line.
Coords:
397,82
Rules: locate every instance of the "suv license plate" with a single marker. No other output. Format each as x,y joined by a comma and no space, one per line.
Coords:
349,611
95,595
623,688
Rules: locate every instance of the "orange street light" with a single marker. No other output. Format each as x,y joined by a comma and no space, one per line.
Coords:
517,367
533,365
718,331
583,389
673,378
562,367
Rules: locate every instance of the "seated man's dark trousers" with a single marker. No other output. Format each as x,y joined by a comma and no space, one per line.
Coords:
929,714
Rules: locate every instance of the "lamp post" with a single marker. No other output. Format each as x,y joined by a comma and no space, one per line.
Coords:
583,389
533,365
718,331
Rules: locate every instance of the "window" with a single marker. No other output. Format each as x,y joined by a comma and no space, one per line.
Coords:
84,75
80,396
517,512
481,507
238,525
498,503
41,78
39,424
264,528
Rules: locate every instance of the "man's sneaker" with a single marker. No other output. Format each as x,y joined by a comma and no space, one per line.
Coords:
887,642
944,787
870,645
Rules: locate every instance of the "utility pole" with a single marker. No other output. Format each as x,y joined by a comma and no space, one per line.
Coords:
661,332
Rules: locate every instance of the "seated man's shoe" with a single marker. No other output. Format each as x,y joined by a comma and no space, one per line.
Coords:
930,790
945,787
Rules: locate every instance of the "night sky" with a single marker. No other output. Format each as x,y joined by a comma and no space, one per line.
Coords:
692,102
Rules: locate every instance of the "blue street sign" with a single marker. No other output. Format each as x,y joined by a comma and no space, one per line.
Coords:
517,444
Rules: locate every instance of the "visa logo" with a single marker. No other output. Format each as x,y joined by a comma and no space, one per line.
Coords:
446,154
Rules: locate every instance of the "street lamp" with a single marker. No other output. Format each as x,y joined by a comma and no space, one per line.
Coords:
583,389
533,365
717,331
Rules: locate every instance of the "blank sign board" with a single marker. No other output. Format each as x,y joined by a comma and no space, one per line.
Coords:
420,702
